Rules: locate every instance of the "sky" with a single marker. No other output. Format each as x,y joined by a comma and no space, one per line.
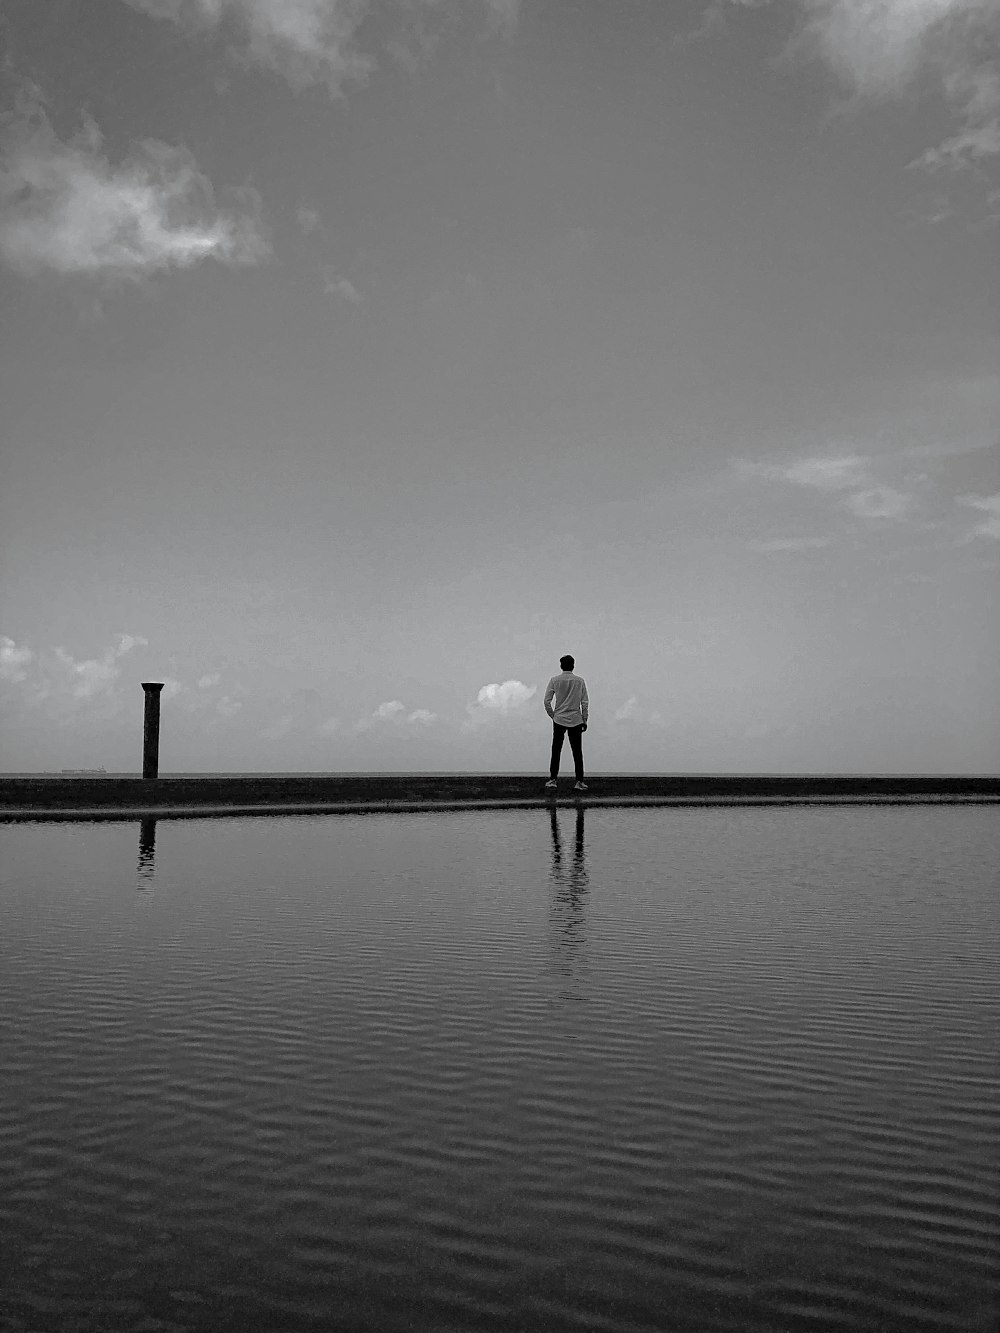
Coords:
360,358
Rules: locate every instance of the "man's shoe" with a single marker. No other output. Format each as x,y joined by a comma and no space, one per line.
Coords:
552,783
580,786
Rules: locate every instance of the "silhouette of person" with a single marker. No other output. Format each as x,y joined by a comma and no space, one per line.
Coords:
567,705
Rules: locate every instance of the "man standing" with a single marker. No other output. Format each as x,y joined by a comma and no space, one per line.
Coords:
567,705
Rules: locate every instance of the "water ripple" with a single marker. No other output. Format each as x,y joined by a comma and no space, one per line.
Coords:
699,1070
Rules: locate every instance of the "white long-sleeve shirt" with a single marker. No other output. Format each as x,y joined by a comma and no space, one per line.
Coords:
566,699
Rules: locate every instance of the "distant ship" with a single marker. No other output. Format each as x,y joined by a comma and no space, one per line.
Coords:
82,772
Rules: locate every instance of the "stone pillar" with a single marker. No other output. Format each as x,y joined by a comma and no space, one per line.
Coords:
151,730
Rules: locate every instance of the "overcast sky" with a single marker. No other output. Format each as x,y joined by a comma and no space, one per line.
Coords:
362,357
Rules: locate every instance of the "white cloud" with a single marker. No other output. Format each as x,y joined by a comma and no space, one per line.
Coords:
62,682
883,47
307,41
835,473
385,712
227,706
498,700
14,661
879,502
334,286
961,150
65,207
328,728
309,221
171,688
210,679
394,713
315,41
828,473
388,710
632,711
844,475
126,642
628,711
96,675
989,505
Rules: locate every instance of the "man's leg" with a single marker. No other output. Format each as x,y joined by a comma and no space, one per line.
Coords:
576,745
558,733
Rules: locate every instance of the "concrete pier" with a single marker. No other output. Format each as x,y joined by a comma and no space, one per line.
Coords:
118,796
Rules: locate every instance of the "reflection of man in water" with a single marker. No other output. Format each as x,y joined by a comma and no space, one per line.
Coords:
568,906
574,876
567,705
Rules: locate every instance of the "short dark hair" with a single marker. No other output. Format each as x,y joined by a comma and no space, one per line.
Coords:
567,663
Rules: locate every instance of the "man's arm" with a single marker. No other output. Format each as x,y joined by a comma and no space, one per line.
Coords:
549,695
584,703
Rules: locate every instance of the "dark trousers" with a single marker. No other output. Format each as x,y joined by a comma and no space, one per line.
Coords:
575,744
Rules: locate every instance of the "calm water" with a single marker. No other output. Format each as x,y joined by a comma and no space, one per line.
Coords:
636,1069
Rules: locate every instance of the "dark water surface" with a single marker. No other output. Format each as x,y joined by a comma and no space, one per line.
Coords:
632,1069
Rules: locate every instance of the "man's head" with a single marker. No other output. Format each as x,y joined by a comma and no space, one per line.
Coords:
567,663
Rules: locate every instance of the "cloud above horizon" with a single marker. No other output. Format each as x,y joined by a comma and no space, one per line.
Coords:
63,683
498,700
66,208
989,505
317,41
882,49
393,711
847,477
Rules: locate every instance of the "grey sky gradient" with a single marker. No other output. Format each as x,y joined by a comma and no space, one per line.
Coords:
359,360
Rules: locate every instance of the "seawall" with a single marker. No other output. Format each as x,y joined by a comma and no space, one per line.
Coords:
122,797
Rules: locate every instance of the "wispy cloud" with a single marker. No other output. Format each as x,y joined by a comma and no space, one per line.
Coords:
61,681
342,287
316,41
849,481
309,221
629,711
96,675
990,506
879,502
393,712
632,711
14,661
881,50
831,472
65,207
882,46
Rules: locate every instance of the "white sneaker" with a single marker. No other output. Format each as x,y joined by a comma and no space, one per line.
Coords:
552,783
580,786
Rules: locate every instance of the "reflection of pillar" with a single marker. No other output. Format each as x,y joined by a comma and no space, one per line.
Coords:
151,730
147,847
